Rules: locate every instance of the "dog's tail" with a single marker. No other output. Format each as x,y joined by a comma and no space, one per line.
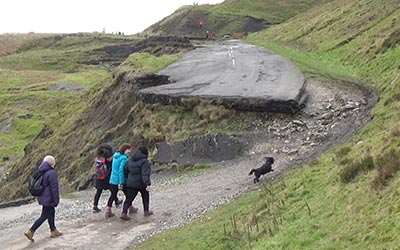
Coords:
252,171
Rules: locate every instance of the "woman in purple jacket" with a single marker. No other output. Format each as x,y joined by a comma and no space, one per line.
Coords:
49,199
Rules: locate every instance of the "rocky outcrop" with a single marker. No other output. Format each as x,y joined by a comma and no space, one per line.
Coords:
200,149
156,45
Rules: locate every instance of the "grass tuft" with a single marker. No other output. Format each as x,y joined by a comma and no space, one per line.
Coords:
388,165
355,168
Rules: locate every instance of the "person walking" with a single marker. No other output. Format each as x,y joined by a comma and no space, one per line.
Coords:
117,177
137,172
49,198
103,164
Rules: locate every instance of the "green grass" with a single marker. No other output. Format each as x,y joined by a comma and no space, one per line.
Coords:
272,11
147,63
312,64
308,208
320,210
230,17
71,123
157,122
25,76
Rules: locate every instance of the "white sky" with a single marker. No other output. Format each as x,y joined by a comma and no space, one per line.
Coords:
71,16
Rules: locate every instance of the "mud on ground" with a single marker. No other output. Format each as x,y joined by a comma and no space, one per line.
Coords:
331,116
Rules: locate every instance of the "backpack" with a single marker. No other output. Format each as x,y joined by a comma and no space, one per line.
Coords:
35,183
100,168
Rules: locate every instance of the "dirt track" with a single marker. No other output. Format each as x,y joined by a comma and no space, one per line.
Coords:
177,199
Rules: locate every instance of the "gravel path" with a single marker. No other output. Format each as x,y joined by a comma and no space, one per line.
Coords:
331,116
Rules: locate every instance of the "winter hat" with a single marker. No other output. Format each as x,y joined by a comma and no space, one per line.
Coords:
108,152
50,160
144,150
104,150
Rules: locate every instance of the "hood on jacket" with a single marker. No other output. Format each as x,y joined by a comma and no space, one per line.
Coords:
44,166
138,155
118,155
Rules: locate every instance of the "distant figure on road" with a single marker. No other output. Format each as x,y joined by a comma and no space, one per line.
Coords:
103,164
137,172
49,198
207,34
201,23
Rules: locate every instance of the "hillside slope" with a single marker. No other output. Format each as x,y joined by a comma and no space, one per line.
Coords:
64,103
231,17
348,197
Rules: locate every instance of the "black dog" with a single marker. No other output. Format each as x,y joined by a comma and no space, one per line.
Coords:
265,168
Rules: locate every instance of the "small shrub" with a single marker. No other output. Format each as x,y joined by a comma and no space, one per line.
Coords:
190,103
342,152
200,166
344,161
210,113
387,165
355,168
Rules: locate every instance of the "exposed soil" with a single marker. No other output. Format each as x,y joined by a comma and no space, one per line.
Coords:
331,116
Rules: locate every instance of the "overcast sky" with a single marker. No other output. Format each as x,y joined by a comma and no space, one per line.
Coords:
71,16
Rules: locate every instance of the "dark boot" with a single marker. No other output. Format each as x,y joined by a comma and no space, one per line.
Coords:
125,217
148,213
132,210
96,209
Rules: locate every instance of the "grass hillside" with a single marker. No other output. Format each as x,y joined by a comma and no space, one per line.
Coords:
349,197
273,11
232,17
45,79
61,95
30,66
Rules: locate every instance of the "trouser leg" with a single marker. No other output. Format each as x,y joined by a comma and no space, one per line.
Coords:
145,199
113,196
130,197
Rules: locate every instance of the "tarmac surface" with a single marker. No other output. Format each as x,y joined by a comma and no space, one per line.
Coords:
238,75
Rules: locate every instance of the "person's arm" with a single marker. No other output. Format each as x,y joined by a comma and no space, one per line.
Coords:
146,170
126,170
121,170
53,183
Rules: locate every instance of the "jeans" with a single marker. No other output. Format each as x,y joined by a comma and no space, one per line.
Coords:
48,213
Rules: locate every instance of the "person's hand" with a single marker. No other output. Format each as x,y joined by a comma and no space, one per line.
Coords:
148,188
120,187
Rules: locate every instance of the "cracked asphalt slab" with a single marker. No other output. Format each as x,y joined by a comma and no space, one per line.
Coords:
245,77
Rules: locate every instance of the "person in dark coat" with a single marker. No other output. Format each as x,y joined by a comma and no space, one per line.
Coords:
137,172
49,198
104,152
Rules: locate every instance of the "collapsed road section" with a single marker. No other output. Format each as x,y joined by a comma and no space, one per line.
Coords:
235,75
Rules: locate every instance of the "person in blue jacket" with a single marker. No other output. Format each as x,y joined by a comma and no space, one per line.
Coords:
49,198
117,177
